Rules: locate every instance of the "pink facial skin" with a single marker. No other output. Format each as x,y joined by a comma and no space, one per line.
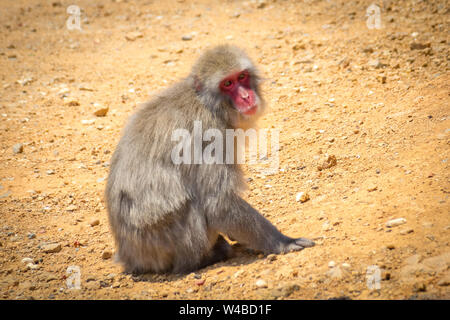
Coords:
237,87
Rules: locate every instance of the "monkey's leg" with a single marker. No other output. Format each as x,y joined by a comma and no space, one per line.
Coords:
220,252
197,245
242,222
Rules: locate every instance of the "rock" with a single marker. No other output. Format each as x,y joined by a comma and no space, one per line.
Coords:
438,263
330,162
445,281
406,231
260,283
375,63
186,37
372,187
27,260
419,287
395,222
132,36
73,103
88,122
71,207
106,255
51,248
331,264
17,148
32,266
419,46
31,235
101,111
345,266
95,222
272,257
302,197
334,272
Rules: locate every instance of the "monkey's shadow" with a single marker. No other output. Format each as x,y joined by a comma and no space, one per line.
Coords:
241,256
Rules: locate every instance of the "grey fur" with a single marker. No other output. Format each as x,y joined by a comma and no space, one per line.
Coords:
167,217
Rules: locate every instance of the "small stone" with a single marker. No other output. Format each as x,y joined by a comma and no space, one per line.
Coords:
31,235
32,266
260,283
186,37
102,111
390,246
73,103
272,257
71,207
419,287
200,282
331,264
330,162
51,248
444,282
345,266
95,222
106,255
395,222
17,148
335,273
302,197
372,188
88,122
419,46
406,231
27,260
132,36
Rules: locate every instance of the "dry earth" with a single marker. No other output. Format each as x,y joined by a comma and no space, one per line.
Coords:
375,99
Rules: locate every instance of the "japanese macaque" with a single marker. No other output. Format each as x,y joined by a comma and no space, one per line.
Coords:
169,217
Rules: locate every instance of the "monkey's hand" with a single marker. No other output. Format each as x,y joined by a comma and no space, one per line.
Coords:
298,244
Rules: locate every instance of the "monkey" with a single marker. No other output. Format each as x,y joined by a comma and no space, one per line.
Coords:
172,218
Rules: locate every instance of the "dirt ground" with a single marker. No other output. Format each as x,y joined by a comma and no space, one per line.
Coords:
377,99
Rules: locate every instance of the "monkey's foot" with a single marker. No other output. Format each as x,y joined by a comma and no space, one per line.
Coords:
299,244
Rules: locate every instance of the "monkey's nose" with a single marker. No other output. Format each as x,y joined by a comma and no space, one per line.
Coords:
243,93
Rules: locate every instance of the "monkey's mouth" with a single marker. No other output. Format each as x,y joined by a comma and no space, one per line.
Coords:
248,110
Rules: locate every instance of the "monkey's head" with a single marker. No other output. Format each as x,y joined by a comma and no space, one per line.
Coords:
227,82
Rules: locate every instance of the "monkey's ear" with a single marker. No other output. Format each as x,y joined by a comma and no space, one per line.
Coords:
198,85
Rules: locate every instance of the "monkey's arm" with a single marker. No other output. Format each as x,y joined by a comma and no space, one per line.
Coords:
245,224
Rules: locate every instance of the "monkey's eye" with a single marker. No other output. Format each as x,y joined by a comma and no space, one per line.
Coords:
227,83
242,76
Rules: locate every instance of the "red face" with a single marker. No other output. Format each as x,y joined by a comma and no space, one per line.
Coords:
237,87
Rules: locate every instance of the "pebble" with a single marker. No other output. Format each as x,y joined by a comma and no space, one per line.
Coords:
95,222
106,255
88,122
331,264
372,188
260,283
31,235
27,260
32,266
101,111
17,148
419,46
51,248
132,36
444,282
330,162
395,222
406,231
302,197
71,207
186,37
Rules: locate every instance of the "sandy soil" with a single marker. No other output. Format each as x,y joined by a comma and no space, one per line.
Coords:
375,99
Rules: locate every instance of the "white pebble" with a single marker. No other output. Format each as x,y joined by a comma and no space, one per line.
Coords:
395,222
